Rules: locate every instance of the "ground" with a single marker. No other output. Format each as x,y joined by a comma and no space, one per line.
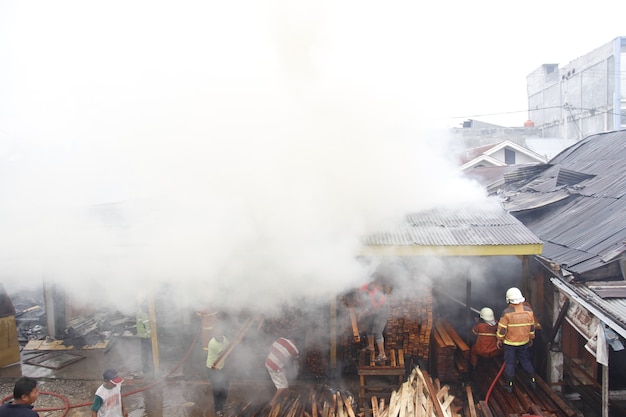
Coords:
182,388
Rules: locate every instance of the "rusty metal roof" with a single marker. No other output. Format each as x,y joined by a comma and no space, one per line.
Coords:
576,205
456,232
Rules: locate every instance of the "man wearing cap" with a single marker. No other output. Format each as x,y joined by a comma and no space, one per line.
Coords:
108,399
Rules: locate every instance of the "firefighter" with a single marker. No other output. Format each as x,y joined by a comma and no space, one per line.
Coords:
486,345
516,331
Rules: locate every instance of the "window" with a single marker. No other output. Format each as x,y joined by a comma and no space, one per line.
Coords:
509,156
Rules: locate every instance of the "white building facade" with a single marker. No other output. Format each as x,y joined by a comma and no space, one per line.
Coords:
584,97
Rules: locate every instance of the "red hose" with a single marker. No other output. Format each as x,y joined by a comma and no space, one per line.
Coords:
493,384
68,406
63,398
495,381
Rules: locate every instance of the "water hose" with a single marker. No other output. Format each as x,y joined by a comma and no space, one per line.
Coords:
63,398
68,406
495,381
493,384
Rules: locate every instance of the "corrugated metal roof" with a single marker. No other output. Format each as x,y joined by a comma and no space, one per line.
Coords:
607,309
586,230
523,173
443,229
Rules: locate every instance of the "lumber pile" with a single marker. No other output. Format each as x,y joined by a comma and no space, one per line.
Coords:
293,403
369,370
316,360
451,355
410,323
542,401
310,328
409,328
418,396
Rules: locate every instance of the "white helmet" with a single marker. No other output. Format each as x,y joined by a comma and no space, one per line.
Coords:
514,296
486,314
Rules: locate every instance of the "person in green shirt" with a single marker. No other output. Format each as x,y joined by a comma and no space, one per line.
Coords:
218,376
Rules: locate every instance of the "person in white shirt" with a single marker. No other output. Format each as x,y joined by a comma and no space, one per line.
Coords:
108,399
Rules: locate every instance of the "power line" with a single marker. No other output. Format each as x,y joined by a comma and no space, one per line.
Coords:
567,107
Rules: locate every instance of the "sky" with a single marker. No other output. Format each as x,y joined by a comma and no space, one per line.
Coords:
239,150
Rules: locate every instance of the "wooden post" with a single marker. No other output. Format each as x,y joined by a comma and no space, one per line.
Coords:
526,277
468,307
605,391
333,334
355,325
154,335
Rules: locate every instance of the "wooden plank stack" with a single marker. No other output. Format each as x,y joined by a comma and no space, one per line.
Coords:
418,396
369,368
295,403
409,328
542,401
451,355
410,322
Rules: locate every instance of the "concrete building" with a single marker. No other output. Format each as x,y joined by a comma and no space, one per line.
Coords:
585,97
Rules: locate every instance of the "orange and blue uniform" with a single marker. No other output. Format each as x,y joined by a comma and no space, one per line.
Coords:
516,330
486,345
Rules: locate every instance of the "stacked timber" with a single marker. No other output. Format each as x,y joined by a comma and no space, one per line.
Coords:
410,323
310,335
418,396
409,328
451,355
524,400
295,403
316,360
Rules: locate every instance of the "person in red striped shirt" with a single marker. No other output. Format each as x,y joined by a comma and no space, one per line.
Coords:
283,355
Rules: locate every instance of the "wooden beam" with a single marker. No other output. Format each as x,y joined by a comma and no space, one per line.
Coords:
470,401
484,407
333,334
355,325
156,358
433,394
236,340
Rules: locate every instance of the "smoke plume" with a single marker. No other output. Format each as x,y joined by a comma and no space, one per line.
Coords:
237,151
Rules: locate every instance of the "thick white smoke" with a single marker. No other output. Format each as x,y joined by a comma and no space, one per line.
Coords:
237,150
